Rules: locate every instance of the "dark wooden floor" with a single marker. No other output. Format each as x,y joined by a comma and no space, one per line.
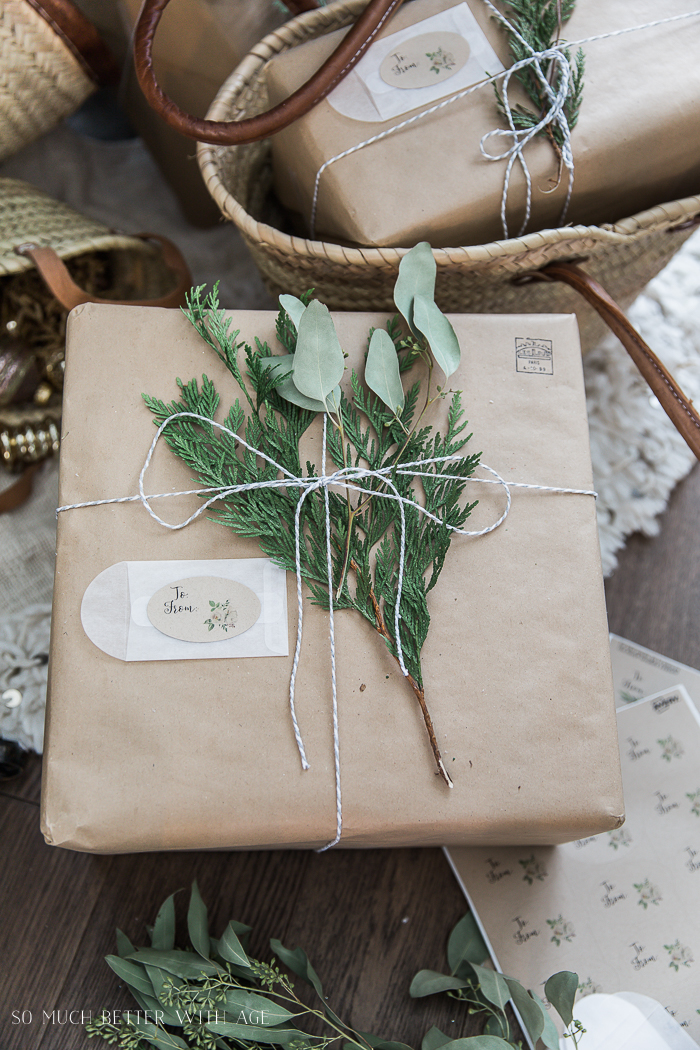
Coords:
368,920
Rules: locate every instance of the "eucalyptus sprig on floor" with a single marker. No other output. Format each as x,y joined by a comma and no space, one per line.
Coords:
215,996
379,426
540,23
487,992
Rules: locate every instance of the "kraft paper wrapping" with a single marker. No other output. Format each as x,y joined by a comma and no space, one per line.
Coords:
201,754
636,143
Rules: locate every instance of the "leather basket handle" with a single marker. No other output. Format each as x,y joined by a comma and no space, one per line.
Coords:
251,129
59,281
676,405
20,490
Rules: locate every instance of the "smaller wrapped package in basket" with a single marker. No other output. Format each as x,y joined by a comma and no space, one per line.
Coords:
413,143
175,652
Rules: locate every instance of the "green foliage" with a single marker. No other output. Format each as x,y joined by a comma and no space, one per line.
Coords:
417,273
382,373
231,1001
539,23
318,357
377,427
226,1001
464,946
486,991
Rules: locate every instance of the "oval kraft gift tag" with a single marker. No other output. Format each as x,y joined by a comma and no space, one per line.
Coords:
425,60
204,609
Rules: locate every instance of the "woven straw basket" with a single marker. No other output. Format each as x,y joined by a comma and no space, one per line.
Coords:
111,265
487,278
51,59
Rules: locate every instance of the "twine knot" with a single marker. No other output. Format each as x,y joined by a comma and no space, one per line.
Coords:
554,116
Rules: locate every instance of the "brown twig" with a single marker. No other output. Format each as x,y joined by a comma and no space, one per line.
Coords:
417,689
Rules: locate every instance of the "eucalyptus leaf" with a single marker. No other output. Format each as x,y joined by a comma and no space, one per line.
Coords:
158,978
149,1006
318,359
124,945
498,1025
478,1042
197,924
332,1016
549,1035
130,972
465,944
163,936
182,964
428,982
294,307
433,1039
250,1033
267,1012
378,1043
388,1044
432,323
561,989
493,986
157,1037
283,364
242,931
382,373
166,1041
154,1008
297,961
417,272
231,949
529,1010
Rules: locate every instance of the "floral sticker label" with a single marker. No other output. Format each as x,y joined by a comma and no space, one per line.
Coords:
533,869
204,609
679,954
648,893
620,837
561,930
425,60
670,748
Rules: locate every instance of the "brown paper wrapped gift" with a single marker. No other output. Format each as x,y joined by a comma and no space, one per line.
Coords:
636,143
194,754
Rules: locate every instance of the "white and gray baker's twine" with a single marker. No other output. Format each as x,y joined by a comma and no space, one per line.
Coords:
346,478
520,138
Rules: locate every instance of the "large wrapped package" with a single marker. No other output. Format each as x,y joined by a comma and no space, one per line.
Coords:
636,142
156,743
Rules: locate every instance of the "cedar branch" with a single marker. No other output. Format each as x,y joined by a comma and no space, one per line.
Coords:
417,689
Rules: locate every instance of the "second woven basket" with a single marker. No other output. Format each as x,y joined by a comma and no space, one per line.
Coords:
487,278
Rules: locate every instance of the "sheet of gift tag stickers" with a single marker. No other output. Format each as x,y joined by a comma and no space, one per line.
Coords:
621,909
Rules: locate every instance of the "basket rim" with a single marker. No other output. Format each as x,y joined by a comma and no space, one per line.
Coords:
94,236
262,235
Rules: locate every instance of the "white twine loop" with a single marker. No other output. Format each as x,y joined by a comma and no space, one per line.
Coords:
347,478
520,138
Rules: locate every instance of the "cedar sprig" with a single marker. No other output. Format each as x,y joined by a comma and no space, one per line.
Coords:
540,24
363,431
